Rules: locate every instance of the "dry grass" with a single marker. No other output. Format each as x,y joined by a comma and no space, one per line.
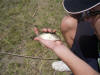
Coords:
17,18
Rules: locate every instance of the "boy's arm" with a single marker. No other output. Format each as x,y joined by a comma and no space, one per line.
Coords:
78,66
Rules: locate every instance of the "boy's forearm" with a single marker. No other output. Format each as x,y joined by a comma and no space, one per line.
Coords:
78,66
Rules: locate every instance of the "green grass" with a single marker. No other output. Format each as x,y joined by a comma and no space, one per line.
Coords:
17,18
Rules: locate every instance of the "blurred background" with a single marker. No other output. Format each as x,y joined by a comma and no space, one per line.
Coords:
20,54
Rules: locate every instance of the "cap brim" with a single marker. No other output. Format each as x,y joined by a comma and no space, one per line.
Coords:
74,7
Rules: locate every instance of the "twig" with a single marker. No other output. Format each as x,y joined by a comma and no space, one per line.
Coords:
35,11
6,53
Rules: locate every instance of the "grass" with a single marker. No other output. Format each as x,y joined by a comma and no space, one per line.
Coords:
17,18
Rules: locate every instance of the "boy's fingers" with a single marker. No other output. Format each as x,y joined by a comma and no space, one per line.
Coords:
44,30
36,31
39,39
49,30
54,31
36,38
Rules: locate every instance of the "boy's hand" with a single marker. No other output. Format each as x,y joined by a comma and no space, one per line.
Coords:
48,43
